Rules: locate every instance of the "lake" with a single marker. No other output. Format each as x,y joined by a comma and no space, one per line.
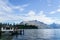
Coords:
36,34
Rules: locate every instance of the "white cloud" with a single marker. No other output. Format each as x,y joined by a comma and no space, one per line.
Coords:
6,14
31,13
58,10
41,13
4,7
6,11
18,8
52,12
38,16
25,5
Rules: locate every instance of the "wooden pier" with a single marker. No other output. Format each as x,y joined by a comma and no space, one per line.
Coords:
11,30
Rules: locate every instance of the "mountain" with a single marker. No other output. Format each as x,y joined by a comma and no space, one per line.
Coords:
55,26
39,24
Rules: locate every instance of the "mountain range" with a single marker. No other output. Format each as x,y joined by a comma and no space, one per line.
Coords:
55,26
39,24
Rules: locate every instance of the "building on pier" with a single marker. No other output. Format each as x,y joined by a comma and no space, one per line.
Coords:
7,28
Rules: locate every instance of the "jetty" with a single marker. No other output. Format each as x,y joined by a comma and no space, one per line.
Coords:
11,30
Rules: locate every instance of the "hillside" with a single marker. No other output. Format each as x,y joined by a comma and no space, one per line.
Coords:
55,26
39,24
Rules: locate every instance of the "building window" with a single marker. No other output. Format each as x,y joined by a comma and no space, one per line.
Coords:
7,28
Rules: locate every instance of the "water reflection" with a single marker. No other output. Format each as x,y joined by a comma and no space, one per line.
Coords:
40,34
37,34
46,33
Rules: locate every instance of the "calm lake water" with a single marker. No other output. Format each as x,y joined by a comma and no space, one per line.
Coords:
37,34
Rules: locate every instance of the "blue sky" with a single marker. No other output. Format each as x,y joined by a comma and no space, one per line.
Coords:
15,11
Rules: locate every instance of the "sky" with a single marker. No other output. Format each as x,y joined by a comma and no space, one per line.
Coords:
15,11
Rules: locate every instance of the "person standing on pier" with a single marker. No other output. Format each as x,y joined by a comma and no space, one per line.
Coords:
22,32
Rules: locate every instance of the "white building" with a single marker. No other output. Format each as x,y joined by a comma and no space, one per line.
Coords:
7,28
